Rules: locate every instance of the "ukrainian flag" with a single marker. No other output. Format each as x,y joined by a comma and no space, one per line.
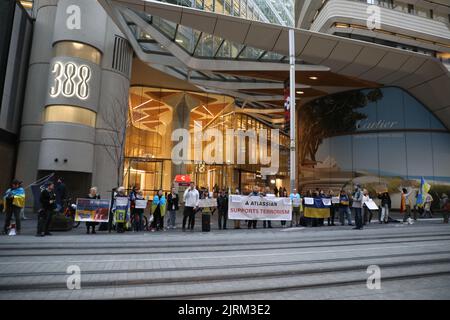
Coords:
18,197
317,210
423,190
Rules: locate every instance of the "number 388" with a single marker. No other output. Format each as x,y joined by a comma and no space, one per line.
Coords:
70,80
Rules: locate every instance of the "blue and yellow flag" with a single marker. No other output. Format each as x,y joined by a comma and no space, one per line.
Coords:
18,196
423,190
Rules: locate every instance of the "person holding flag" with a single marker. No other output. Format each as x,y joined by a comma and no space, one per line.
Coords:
423,196
14,200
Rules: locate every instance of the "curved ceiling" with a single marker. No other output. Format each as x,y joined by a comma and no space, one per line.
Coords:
351,63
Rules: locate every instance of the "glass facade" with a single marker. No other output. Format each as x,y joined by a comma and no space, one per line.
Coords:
154,114
381,138
272,11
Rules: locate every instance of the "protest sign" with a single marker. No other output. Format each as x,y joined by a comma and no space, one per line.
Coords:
207,203
92,210
140,204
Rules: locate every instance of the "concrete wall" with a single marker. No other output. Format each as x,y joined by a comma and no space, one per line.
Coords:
79,148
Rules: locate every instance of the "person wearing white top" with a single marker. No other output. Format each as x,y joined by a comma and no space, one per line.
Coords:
367,214
191,199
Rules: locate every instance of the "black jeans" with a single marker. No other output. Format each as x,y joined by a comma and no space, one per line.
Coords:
223,216
44,220
267,223
157,219
252,223
91,224
189,213
358,218
332,216
12,210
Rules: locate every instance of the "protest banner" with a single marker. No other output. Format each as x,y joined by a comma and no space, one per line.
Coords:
92,210
140,204
259,208
318,209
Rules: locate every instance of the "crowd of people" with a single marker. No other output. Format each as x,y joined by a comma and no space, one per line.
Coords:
345,208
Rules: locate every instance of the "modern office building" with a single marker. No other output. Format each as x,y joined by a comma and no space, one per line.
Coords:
123,75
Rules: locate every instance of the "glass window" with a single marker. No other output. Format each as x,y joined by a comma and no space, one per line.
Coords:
390,110
251,53
229,50
416,116
341,153
419,155
207,45
441,157
166,27
365,153
187,38
392,154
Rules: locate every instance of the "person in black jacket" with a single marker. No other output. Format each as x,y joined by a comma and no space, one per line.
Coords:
172,208
91,224
385,206
48,206
222,207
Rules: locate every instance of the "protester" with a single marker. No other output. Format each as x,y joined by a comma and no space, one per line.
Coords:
61,194
158,211
173,207
367,213
48,206
91,224
191,199
296,206
237,223
222,207
14,202
138,213
120,194
427,206
266,193
445,207
254,193
385,206
357,204
333,209
344,208
283,194
405,205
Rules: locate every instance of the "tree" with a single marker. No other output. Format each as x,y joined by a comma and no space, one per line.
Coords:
329,116
115,122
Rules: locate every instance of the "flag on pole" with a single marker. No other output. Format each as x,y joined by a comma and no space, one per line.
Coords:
287,104
423,190
37,187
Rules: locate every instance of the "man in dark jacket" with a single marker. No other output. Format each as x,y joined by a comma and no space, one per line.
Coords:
61,194
172,208
48,206
254,193
222,206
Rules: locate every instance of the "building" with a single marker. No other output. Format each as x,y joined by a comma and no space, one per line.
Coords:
111,84
15,36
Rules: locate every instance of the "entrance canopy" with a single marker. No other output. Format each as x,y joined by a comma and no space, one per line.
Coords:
248,59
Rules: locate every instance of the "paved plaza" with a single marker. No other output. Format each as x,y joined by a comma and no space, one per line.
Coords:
291,263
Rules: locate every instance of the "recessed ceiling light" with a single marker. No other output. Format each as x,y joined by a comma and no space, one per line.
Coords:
300,92
313,78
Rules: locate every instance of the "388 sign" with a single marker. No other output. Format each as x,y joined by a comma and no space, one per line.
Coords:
70,79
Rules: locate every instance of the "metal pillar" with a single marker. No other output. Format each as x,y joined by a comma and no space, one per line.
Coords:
292,107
